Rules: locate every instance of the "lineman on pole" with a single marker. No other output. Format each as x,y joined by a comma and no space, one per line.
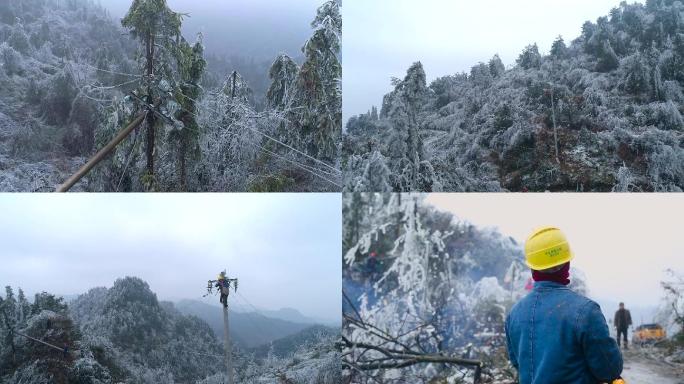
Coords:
223,285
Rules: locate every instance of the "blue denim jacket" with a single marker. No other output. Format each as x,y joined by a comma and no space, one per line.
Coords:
557,336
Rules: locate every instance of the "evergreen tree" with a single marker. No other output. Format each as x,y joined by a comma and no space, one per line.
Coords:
155,26
496,66
10,306
374,113
607,58
530,57
319,88
23,308
283,75
636,79
236,89
191,66
559,50
48,302
405,145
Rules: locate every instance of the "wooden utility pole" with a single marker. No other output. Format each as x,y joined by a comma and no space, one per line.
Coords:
555,130
99,156
224,284
229,355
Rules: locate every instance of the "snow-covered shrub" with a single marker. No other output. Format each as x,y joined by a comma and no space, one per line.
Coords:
59,97
11,60
19,41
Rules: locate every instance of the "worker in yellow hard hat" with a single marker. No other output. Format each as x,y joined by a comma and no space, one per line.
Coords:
555,335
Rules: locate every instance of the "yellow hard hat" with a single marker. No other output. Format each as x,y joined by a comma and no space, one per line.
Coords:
546,248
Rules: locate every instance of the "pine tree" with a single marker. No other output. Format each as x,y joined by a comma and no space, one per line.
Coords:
608,59
156,26
374,113
530,57
191,66
23,308
319,88
405,147
559,50
236,89
10,308
496,66
283,75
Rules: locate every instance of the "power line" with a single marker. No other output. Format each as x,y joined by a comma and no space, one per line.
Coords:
105,70
305,167
276,140
300,166
65,349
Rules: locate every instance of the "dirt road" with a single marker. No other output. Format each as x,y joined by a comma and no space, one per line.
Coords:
643,368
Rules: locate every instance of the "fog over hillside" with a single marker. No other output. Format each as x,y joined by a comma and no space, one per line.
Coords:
236,27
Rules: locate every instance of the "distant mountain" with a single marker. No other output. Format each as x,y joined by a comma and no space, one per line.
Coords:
287,345
248,329
293,315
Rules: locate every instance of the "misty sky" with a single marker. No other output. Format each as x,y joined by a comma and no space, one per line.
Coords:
284,248
382,38
248,28
622,242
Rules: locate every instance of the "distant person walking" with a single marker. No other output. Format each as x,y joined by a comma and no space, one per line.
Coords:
623,320
555,335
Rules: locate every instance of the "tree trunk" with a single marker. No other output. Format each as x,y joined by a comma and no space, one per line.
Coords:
182,154
232,92
150,117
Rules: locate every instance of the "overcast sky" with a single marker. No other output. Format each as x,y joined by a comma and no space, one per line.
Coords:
382,38
284,248
622,242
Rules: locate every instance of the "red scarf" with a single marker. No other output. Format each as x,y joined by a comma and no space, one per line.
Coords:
561,276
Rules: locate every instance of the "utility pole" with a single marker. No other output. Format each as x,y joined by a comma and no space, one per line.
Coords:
229,355
555,131
224,285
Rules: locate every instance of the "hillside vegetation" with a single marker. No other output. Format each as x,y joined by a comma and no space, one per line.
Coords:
603,113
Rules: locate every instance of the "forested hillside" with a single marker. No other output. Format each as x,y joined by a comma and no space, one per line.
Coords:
603,113
73,78
125,334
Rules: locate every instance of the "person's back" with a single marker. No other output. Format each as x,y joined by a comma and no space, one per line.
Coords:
558,336
555,335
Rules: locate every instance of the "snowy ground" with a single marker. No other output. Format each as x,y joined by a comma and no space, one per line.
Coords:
31,175
641,369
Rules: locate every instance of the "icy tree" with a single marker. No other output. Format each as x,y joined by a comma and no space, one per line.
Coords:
158,28
283,75
671,312
318,85
530,57
405,145
191,66
558,49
